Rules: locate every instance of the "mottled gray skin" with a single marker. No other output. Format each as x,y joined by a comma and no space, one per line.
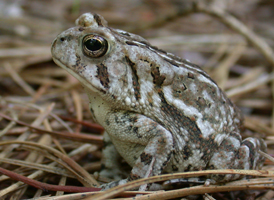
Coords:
163,114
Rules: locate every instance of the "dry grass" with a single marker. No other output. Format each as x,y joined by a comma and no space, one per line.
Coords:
45,128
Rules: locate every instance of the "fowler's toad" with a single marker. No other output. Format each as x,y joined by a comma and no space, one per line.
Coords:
162,113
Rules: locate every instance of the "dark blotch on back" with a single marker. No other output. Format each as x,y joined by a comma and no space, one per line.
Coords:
190,75
158,79
131,43
135,78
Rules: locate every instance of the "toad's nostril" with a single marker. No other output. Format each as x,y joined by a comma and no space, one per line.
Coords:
62,39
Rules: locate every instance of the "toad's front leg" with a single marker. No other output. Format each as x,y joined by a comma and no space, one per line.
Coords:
142,142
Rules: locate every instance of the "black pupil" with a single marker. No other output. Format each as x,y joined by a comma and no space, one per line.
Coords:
93,44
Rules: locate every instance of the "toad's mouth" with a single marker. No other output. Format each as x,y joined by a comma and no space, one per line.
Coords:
82,80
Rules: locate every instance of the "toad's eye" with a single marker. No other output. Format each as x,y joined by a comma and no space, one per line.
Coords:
94,46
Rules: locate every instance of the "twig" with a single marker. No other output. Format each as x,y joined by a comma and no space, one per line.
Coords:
117,190
45,186
76,137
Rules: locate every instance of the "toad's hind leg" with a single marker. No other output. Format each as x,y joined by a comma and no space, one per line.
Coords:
236,154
